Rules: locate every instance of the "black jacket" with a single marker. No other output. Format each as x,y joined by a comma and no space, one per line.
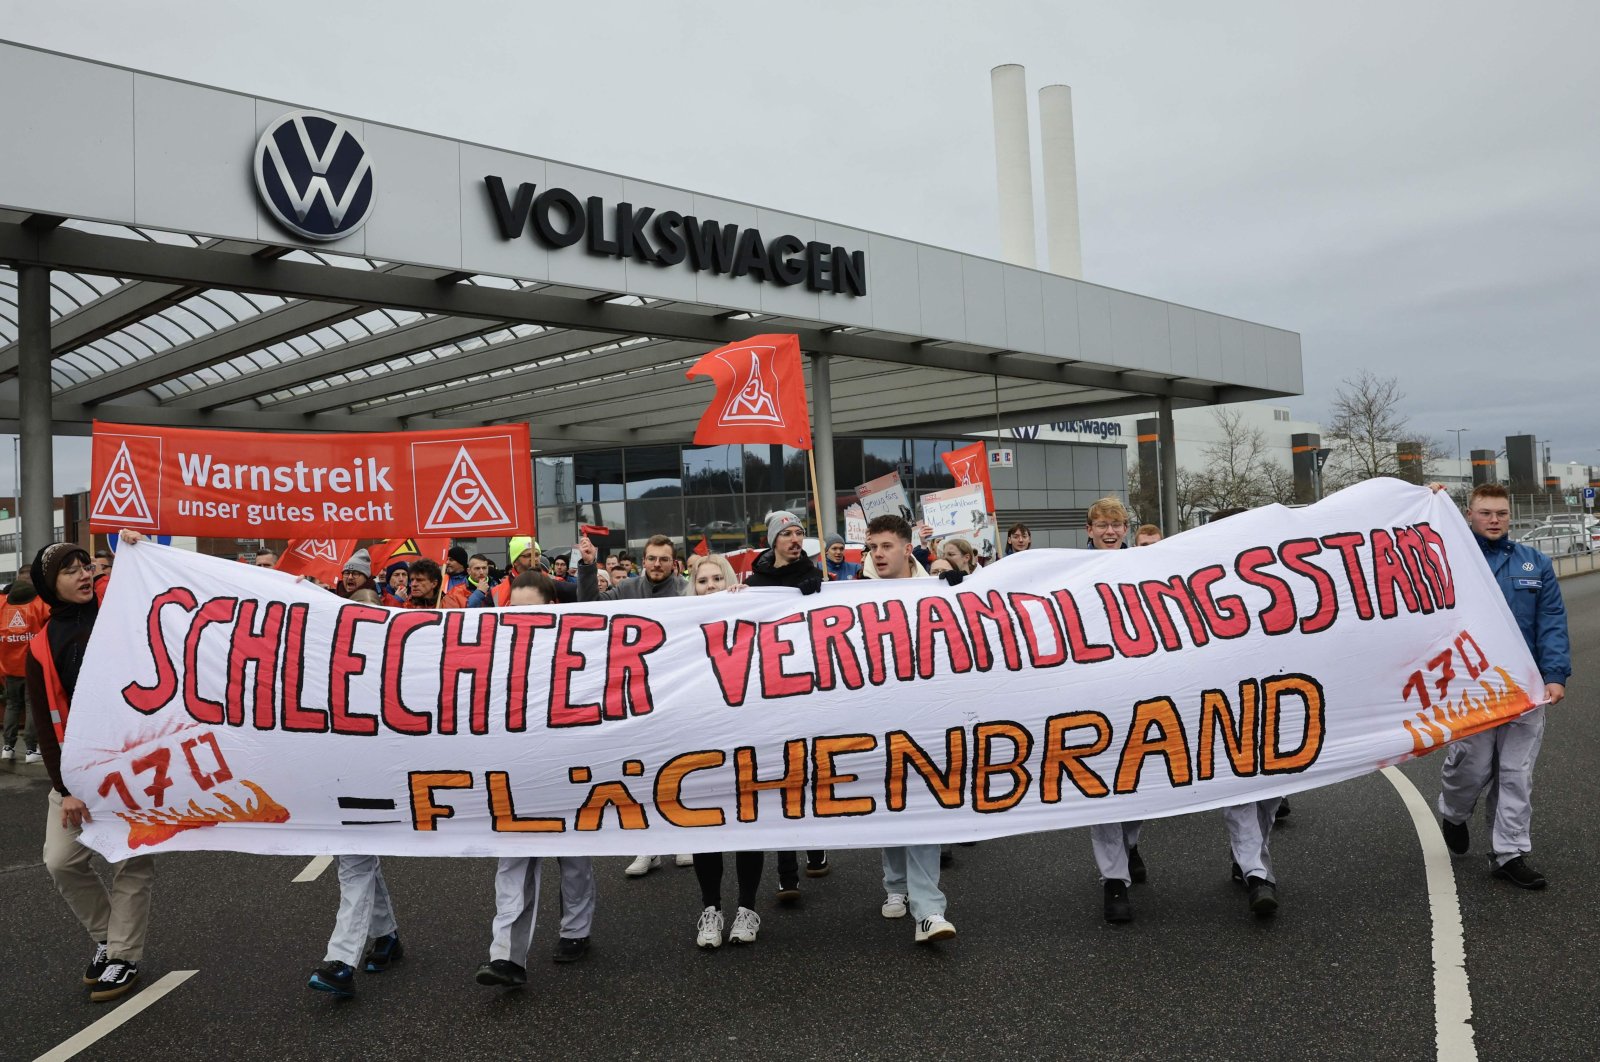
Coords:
802,574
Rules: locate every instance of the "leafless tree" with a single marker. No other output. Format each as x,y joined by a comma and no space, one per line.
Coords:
1364,429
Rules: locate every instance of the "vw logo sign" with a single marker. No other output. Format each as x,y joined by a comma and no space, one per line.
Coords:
314,175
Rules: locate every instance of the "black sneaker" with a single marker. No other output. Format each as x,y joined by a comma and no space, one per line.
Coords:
571,949
1263,896
118,976
1118,909
788,892
818,869
97,965
501,973
1283,810
383,951
335,977
1517,871
1136,869
947,858
1457,837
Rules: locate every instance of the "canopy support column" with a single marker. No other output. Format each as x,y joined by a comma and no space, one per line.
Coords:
36,493
1168,465
822,444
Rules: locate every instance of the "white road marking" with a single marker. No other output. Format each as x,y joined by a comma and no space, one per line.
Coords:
1452,997
313,869
124,1013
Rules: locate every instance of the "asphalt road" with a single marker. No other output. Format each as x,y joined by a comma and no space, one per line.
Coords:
1343,972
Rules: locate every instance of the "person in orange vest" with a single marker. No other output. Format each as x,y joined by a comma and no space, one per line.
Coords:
22,615
524,554
116,919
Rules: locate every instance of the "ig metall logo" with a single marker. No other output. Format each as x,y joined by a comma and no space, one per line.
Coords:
315,175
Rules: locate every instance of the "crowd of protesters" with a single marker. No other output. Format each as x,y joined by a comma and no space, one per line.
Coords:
48,613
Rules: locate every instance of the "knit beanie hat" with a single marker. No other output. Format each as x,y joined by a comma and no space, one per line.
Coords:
778,522
835,539
360,561
458,554
47,565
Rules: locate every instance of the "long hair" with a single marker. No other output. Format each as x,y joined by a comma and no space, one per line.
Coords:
729,579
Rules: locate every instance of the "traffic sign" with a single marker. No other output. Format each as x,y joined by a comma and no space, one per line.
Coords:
113,541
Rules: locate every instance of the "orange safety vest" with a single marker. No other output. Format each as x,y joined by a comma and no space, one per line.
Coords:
54,693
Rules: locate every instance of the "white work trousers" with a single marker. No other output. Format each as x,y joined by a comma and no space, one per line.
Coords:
516,903
365,912
1250,836
1499,761
1111,841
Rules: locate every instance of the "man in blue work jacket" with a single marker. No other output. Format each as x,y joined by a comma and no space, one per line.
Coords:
1500,761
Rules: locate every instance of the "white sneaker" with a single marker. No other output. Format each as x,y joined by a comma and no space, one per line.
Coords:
642,865
683,860
8,753
934,929
746,923
708,931
895,905
34,757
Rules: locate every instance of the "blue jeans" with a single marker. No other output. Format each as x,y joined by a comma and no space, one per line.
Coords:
913,871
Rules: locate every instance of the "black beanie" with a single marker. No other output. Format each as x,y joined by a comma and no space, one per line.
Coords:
458,554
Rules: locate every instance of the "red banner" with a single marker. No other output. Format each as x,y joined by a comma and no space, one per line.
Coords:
970,464
317,558
184,481
761,393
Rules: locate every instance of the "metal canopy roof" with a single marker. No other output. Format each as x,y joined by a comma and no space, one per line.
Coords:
180,302
152,343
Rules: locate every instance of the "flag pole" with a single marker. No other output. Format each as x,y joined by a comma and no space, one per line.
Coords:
816,491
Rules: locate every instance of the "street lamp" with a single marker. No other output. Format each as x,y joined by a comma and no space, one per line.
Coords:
1457,432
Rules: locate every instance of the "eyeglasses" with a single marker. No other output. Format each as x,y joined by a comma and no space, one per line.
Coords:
74,569
1108,527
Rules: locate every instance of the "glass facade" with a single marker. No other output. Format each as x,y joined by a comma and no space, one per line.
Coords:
724,493
719,493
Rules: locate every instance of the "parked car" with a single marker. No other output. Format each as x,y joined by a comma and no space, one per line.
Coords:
1557,541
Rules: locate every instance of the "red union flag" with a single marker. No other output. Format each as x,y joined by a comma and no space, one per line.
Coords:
970,464
761,393
184,481
320,558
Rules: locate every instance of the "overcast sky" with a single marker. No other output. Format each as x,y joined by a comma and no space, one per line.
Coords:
1410,186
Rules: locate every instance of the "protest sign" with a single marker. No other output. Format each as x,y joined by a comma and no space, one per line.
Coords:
1268,653
226,484
885,496
855,524
961,512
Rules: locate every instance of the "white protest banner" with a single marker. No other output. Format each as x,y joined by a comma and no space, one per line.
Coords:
224,708
885,496
959,513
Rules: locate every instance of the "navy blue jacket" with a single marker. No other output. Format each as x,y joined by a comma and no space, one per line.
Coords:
1528,580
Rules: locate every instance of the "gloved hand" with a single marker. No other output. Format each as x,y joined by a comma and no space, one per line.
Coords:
812,584
953,577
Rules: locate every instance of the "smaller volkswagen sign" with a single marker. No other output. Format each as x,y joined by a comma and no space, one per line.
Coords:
315,176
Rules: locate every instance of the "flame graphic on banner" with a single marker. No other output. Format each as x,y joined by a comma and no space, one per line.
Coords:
147,828
1449,721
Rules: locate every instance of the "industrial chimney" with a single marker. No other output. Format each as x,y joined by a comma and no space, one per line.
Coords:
1014,164
1060,179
